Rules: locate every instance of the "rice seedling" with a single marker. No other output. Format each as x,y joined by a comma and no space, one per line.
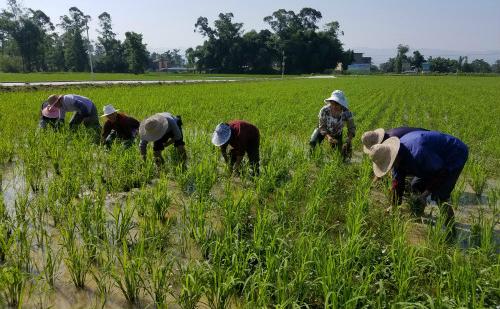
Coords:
13,285
77,258
192,281
478,176
159,279
128,274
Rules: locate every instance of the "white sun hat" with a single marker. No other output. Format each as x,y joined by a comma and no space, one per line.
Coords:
108,110
370,138
221,135
153,128
339,97
383,155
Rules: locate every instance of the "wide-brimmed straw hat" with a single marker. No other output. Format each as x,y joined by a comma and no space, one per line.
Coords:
370,138
339,97
52,99
221,135
153,128
52,113
383,155
108,110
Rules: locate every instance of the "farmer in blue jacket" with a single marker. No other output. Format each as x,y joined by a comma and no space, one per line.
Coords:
377,136
434,159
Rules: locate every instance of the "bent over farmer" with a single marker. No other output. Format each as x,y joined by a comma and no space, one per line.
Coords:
118,126
244,138
332,119
434,159
84,108
50,118
162,129
377,136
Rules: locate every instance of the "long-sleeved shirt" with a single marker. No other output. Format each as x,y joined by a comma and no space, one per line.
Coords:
173,132
76,103
124,126
244,137
333,125
400,132
429,155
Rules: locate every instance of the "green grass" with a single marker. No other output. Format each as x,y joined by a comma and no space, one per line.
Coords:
310,230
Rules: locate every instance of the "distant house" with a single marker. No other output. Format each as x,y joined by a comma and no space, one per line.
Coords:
426,67
360,64
161,63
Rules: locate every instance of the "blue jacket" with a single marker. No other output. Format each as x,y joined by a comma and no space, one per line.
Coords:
430,155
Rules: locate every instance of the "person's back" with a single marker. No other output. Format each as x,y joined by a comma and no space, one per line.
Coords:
433,150
244,134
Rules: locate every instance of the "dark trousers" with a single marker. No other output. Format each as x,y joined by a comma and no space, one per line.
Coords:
89,120
253,158
441,195
317,138
126,142
51,123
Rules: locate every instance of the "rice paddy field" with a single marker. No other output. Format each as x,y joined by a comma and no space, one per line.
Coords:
86,227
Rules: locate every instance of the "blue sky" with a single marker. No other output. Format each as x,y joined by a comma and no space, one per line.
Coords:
446,25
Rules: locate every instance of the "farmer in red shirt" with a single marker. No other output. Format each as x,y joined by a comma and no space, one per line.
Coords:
118,125
243,137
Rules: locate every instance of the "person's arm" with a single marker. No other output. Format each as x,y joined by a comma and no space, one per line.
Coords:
223,150
143,149
351,127
322,122
237,163
105,131
398,186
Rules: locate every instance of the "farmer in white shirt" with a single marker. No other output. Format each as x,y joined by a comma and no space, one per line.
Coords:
84,109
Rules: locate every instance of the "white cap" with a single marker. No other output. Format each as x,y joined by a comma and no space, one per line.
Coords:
108,110
339,97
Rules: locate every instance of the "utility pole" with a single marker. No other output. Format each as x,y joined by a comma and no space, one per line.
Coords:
283,64
90,51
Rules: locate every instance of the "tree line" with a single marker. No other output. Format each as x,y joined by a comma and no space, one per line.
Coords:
29,42
402,62
295,44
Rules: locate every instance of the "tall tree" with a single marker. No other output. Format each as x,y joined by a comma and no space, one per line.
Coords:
109,51
417,60
136,54
28,30
75,51
401,57
495,68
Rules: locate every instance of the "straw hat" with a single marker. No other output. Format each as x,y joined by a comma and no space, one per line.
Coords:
153,128
339,97
370,138
221,135
383,155
52,99
108,110
52,113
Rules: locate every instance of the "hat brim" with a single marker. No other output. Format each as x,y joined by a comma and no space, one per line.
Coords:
219,140
380,137
394,144
336,100
104,115
153,136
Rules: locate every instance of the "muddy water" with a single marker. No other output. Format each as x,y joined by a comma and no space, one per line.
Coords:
13,184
